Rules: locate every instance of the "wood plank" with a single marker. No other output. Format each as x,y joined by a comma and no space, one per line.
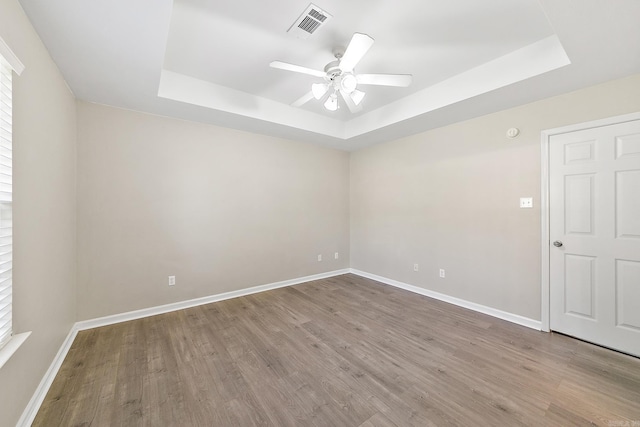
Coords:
345,351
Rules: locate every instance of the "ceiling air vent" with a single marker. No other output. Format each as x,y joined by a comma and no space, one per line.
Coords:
311,19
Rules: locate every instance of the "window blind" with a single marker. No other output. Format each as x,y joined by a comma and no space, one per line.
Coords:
5,201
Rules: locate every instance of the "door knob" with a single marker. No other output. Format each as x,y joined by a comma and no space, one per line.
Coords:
557,243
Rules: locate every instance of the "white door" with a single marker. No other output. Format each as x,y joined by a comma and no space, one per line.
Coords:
594,198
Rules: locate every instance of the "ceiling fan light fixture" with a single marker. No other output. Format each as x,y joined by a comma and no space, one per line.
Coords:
348,82
331,103
357,96
340,78
319,89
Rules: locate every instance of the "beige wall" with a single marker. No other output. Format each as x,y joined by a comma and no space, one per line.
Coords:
448,198
44,156
224,210
220,209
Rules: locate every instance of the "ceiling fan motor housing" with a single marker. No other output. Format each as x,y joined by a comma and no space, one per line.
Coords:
332,69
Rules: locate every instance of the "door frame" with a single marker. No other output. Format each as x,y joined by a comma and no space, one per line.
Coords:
545,208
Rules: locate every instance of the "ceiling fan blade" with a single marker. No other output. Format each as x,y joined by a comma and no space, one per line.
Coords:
358,47
297,68
303,99
352,105
398,80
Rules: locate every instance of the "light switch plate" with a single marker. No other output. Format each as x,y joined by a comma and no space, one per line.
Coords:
526,202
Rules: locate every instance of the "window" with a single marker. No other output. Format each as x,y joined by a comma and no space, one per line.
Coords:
5,201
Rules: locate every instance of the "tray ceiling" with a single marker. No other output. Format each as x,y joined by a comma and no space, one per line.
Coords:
209,60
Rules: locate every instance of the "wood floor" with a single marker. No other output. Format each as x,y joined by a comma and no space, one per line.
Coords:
345,351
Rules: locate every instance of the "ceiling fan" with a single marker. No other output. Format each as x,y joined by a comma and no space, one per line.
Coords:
340,77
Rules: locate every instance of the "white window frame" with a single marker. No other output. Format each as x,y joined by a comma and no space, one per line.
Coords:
10,66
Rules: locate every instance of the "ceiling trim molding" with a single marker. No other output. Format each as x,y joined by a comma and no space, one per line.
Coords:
190,90
529,61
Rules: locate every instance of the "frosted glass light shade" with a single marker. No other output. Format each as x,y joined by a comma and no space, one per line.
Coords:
332,102
348,83
319,89
357,96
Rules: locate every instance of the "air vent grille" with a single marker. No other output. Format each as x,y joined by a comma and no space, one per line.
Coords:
309,25
317,15
311,19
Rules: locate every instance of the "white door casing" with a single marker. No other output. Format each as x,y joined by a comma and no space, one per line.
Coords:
594,210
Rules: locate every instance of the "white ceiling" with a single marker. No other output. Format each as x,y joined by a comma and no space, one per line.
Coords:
209,60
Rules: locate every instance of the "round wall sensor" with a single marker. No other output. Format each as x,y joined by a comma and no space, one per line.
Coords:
513,132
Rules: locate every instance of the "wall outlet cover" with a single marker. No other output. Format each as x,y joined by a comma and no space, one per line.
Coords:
526,202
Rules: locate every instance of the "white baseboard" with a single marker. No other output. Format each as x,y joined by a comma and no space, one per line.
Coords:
152,311
30,412
510,317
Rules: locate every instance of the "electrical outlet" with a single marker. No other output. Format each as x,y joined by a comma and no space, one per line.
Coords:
172,280
442,273
415,267
319,257
526,202
336,255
